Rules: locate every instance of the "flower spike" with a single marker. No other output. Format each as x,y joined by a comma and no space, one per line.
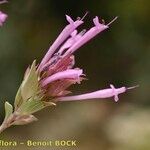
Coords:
47,83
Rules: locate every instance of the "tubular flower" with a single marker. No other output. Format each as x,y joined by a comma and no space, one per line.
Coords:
57,71
47,83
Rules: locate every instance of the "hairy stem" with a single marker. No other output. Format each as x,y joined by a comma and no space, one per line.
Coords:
2,127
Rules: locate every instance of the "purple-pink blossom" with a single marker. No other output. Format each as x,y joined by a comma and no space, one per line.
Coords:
57,69
105,93
67,74
3,16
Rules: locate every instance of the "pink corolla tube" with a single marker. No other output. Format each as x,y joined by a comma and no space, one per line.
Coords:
3,17
105,93
61,38
68,74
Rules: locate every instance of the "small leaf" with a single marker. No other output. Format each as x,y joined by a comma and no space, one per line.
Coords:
30,85
8,110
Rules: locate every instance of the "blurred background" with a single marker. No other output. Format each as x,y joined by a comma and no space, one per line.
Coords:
120,55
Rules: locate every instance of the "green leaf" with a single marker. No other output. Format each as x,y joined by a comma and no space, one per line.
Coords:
30,85
8,110
31,106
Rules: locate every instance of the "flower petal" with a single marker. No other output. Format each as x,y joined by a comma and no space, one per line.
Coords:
68,74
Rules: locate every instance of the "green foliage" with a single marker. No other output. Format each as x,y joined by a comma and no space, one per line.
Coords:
8,110
28,100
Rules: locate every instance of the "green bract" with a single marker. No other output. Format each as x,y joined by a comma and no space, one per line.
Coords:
30,106
29,88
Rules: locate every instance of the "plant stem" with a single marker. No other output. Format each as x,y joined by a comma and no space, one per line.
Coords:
8,122
2,127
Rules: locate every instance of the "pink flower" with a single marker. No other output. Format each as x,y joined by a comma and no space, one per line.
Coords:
106,93
3,1
67,74
57,71
3,17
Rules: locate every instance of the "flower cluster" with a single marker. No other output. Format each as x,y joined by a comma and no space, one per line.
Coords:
57,69
47,83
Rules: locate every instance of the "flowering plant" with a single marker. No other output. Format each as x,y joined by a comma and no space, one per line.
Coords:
47,83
